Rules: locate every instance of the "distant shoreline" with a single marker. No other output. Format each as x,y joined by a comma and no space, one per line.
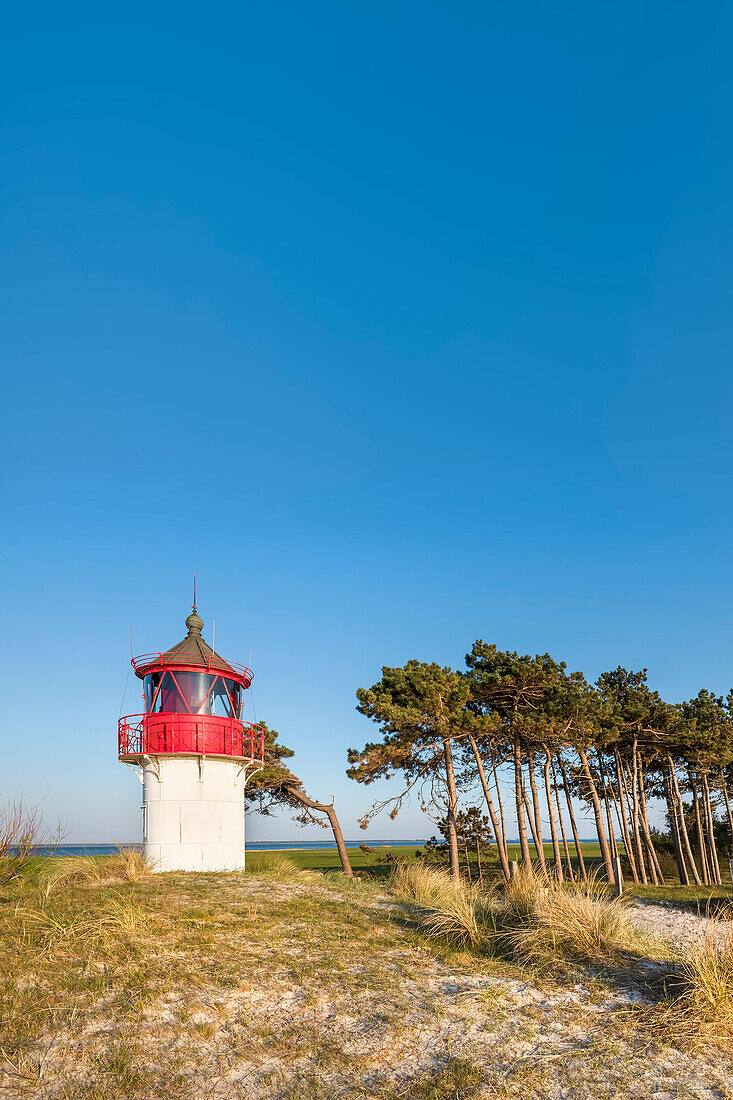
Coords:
252,847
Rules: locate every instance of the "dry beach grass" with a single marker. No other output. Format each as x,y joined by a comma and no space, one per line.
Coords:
284,983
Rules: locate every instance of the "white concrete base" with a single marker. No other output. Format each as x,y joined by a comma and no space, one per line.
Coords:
193,813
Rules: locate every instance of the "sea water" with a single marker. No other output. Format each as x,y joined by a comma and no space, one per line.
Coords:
252,846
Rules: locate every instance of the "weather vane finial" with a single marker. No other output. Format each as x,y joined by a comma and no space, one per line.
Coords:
193,608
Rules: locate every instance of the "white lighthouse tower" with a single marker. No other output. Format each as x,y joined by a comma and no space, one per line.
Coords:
194,753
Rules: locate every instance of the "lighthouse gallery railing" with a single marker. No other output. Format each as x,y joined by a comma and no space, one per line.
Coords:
207,735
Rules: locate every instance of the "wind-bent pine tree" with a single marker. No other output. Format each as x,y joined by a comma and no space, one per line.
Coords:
510,688
276,786
615,746
421,709
482,743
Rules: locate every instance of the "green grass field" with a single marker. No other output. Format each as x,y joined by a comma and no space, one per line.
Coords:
378,863
326,859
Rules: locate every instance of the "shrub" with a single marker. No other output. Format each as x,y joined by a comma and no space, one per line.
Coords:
22,833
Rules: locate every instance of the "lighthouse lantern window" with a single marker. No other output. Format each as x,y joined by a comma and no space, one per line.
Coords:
224,698
150,684
162,695
181,691
195,688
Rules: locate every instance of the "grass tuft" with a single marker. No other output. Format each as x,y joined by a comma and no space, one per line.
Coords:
705,1005
277,866
458,1079
534,920
117,917
425,887
570,925
71,871
462,918
130,864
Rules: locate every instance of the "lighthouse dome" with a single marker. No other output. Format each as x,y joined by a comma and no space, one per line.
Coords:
193,650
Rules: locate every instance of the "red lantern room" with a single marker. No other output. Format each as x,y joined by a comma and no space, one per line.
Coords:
193,705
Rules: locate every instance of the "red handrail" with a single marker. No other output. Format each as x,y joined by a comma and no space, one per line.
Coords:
189,734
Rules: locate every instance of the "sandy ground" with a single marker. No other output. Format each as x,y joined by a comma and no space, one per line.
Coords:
337,998
675,925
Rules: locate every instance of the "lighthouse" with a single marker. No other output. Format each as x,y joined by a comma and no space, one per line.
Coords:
193,753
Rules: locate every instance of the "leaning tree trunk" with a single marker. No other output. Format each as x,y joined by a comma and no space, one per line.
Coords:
551,813
655,866
698,831
682,824
519,799
530,818
604,779
327,809
711,829
675,827
597,812
452,837
501,804
499,834
573,825
621,814
724,790
635,814
618,810
568,861
537,831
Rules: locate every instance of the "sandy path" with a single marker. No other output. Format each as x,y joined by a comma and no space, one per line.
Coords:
678,926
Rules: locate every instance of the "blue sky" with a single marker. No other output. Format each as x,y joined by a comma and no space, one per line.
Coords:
402,324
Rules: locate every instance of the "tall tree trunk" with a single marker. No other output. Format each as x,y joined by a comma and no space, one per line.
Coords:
551,813
675,827
621,813
478,862
452,808
711,829
617,809
576,839
655,866
568,861
635,814
597,812
604,780
326,808
499,834
468,860
682,824
724,792
530,820
537,819
519,798
501,804
698,831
